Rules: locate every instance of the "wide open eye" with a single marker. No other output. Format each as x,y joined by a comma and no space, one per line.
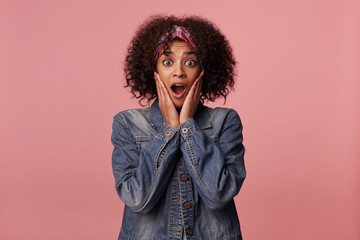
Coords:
190,63
167,62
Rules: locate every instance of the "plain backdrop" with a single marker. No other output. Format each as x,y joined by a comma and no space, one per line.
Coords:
297,92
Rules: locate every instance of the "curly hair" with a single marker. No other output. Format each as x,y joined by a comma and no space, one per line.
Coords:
217,58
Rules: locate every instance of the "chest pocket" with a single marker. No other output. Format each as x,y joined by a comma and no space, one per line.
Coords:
141,141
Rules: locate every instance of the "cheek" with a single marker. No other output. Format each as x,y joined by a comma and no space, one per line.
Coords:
193,75
165,78
163,72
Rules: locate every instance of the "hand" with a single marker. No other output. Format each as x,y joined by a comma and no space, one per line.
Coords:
192,100
166,105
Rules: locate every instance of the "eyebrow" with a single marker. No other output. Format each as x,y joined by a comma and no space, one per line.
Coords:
170,52
191,52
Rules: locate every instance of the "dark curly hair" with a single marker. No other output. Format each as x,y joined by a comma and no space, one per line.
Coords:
216,54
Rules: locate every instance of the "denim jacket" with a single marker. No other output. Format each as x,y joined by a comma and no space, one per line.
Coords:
178,179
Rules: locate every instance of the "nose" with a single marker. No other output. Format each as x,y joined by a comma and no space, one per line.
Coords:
178,70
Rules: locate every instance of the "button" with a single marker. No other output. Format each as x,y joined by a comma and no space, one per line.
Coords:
185,130
187,205
167,132
184,177
189,232
176,228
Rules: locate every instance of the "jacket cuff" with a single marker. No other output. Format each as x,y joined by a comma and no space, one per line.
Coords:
167,132
188,128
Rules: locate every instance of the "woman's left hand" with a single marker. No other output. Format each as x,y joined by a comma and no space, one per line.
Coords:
192,100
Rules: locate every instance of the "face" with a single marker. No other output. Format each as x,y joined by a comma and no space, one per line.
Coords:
178,67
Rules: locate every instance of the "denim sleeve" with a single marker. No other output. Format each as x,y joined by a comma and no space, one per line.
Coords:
217,169
141,176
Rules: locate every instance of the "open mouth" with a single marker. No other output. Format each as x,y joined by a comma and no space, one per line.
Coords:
178,88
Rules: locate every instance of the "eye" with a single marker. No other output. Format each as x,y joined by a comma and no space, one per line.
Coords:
167,62
190,63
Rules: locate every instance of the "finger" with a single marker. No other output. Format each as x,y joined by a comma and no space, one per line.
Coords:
201,74
198,80
164,91
157,83
159,87
199,85
195,89
198,89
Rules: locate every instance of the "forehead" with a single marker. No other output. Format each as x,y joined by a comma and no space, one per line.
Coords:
179,45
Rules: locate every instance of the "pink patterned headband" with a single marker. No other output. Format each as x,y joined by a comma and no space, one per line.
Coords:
175,32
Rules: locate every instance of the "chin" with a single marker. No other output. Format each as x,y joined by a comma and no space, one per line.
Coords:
178,105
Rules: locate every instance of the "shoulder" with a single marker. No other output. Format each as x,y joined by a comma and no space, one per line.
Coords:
132,116
221,114
221,110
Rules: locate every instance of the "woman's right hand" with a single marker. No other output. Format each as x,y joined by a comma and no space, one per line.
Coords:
166,105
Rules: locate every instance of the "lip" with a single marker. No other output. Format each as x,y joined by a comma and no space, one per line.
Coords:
180,94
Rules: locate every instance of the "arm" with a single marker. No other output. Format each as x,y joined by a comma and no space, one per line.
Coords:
217,170
142,176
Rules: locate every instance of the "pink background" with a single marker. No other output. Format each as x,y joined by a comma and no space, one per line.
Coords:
297,93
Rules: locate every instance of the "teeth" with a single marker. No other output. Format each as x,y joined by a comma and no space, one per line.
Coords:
177,85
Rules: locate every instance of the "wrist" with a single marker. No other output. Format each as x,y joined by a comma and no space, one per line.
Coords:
185,118
173,124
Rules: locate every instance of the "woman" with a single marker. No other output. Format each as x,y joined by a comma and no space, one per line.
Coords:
178,164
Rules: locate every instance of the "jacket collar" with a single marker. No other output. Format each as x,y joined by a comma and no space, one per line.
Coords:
157,120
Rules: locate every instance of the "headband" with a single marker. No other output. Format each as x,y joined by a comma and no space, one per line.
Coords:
175,32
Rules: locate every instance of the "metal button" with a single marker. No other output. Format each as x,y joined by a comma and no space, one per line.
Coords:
167,132
184,177
189,232
176,228
185,130
187,205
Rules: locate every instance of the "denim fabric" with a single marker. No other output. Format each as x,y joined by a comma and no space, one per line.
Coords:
178,179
